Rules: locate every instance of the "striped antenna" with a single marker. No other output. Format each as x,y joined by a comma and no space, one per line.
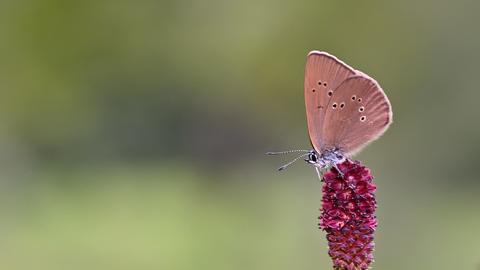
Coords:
286,152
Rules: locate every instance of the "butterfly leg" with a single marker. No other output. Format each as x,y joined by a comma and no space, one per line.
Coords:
338,170
319,173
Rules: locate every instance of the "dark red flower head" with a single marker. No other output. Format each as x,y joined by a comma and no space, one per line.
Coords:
348,215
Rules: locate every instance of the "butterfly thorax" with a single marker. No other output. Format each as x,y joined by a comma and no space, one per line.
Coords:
325,159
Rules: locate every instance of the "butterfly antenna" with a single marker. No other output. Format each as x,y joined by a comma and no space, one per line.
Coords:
291,162
285,152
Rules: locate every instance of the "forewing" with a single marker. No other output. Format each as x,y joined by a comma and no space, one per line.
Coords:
323,74
358,113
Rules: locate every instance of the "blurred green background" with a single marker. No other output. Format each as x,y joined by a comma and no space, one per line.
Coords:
132,133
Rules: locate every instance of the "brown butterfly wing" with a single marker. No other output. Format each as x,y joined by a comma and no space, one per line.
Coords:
358,113
323,74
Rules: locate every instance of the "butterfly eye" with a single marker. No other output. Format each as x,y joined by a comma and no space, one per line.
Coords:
354,97
363,118
361,109
342,105
334,105
330,93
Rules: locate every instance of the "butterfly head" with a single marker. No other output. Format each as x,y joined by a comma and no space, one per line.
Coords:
313,158
322,160
326,159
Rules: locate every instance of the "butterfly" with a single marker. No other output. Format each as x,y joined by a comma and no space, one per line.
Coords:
346,110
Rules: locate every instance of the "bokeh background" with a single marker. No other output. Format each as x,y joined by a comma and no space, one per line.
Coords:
132,133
